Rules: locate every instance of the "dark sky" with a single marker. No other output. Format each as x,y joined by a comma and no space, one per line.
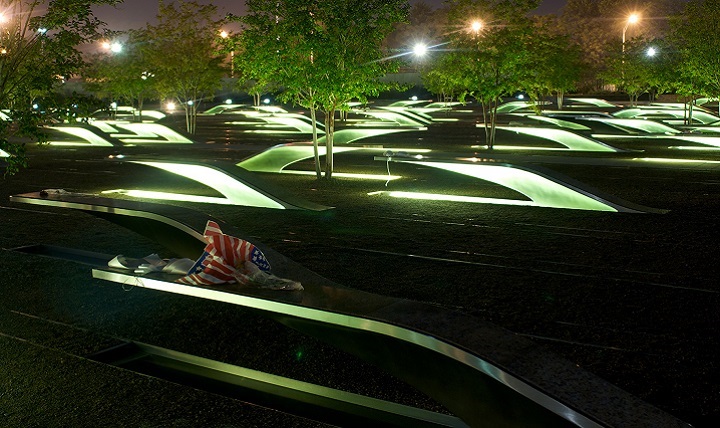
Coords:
135,13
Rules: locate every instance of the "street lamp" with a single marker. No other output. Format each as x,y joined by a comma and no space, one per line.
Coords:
224,34
476,26
651,52
632,19
114,47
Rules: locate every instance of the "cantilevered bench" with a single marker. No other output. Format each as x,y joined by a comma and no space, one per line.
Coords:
483,374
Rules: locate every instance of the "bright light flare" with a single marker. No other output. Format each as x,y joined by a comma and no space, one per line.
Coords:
651,52
633,18
420,49
476,26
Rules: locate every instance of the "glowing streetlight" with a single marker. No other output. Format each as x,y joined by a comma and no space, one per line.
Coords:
224,34
476,26
420,49
651,52
114,47
632,19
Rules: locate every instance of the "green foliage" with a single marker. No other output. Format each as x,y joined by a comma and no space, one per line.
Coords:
127,75
322,54
556,64
693,36
38,43
493,62
184,53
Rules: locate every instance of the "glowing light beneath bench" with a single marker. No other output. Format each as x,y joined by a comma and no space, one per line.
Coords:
149,133
236,192
454,198
90,137
277,158
379,177
540,190
679,161
560,123
568,139
4,154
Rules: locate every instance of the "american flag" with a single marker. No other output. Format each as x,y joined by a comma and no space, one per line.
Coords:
223,259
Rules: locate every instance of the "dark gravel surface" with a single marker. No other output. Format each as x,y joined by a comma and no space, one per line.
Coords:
632,298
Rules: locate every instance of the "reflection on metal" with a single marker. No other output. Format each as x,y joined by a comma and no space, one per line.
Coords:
672,116
379,177
560,123
166,196
347,136
87,137
513,106
597,102
706,140
677,161
646,126
413,113
395,118
354,323
223,108
454,198
543,191
235,192
568,139
316,402
149,133
139,133
277,158
542,188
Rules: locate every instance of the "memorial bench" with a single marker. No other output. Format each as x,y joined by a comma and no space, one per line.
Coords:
484,375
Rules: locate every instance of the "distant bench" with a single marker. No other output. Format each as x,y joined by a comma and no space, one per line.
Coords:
483,374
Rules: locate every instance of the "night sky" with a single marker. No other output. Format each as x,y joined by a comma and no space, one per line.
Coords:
135,13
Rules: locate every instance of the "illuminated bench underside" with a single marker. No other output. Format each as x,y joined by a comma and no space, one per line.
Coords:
139,133
235,191
698,115
647,126
541,189
85,137
568,139
393,117
597,102
277,158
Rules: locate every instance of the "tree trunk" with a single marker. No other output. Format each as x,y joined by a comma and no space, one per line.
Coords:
140,108
493,117
484,107
313,117
329,134
560,94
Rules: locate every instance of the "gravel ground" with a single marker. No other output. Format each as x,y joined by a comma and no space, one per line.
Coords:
632,298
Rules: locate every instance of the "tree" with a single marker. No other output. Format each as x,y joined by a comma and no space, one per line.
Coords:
697,48
493,59
556,64
323,54
184,51
127,75
38,50
632,70
596,26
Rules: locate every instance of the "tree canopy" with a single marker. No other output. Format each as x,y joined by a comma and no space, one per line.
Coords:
323,54
38,51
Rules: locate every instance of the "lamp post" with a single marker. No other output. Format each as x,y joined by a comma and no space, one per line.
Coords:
632,19
224,34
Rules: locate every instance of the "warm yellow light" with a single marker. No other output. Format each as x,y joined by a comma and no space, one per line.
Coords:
224,34
476,26
633,18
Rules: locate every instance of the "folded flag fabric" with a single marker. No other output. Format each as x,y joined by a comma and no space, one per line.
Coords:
227,259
